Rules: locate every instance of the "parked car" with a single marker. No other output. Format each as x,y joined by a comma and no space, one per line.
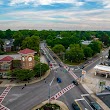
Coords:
75,82
59,80
107,87
95,106
75,106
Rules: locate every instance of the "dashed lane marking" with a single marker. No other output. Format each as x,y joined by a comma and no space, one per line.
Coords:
60,93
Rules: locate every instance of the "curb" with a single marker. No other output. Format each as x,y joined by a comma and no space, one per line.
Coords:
60,103
22,84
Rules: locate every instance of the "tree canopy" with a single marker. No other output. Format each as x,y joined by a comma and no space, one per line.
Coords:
40,69
31,42
75,54
58,48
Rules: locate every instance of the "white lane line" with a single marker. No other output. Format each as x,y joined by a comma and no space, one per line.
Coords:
79,99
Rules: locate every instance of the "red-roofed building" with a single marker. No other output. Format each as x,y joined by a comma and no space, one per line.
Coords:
5,65
7,59
27,58
27,62
27,51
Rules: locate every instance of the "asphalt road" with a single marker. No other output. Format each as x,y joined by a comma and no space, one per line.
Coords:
31,95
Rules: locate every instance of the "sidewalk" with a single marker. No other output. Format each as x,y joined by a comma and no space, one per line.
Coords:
90,84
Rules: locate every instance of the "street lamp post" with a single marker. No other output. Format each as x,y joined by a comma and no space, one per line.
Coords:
50,88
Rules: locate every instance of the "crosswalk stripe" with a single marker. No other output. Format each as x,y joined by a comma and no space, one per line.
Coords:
2,96
60,93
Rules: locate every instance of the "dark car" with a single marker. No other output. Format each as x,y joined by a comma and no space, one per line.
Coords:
95,106
59,80
75,82
81,67
75,106
54,57
108,88
60,65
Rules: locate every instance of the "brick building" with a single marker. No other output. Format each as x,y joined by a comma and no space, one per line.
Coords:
26,59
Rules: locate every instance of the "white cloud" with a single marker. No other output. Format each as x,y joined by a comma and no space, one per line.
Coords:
45,2
1,2
16,25
85,19
106,3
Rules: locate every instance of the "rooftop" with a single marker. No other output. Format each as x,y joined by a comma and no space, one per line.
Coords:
26,51
7,58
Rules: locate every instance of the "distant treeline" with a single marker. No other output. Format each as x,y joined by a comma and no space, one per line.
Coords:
104,36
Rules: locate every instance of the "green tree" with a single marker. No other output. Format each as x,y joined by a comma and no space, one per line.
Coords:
8,34
40,69
31,42
75,54
88,52
23,74
96,46
1,44
18,36
58,49
105,39
2,35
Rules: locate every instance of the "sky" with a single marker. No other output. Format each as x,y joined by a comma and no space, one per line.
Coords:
55,14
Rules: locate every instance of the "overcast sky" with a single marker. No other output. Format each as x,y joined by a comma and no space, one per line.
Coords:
55,14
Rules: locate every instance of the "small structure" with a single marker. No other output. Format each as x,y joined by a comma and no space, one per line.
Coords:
5,66
101,69
86,42
27,58
8,44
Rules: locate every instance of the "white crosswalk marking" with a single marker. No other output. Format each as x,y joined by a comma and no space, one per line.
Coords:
59,94
3,107
2,96
71,72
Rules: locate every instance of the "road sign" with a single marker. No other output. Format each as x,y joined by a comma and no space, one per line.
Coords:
83,72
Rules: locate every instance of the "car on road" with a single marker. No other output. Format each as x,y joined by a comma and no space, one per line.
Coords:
59,80
75,106
81,67
95,106
75,82
54,57
107,88
60,65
